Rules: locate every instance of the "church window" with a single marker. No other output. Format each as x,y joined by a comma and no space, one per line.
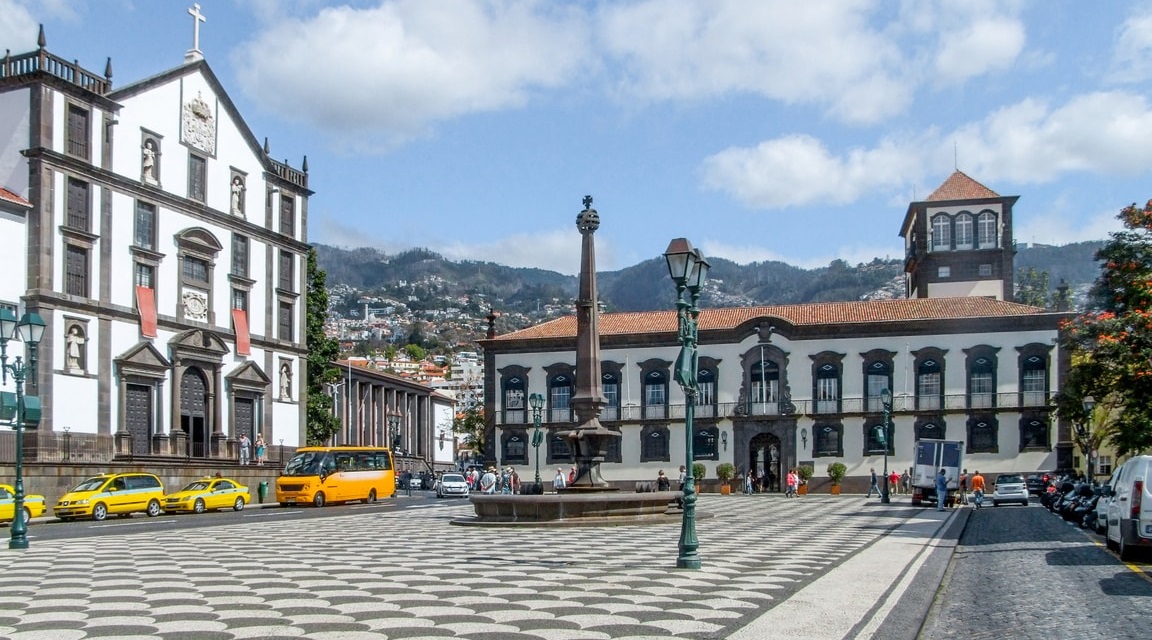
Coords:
239,255
145,275
286,271
986,230
79,205
284,321
76,271
195,270
197,178
240,299
964,231
145,229
287,214
941,233
79,131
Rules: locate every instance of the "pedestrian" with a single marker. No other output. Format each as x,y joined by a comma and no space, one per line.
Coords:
506,481
488,481
749,482
260,448
793,482
964,487
905,481
662,482
558,482
515,480
977,482
872,485
893,482
682,480
245,449
406,479
941,489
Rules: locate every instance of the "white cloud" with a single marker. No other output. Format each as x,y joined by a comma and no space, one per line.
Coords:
1132,56
746,254
391,70
557,250
984,45
798,170
18,29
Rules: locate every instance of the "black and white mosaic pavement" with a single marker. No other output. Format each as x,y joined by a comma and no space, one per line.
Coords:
410,574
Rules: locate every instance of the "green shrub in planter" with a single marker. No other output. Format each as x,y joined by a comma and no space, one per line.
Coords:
698,470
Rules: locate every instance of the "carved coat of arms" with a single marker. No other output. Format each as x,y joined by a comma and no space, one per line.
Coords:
199,125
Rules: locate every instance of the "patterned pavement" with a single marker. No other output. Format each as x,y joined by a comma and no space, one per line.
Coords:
408,573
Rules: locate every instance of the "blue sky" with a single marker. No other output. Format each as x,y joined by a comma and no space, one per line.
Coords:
760,130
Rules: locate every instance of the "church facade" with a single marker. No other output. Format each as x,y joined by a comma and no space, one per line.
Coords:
166,251
783,386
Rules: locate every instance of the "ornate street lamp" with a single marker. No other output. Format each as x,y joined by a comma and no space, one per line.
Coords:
536,401
689,270
394,430
1086,435
882,433
30,330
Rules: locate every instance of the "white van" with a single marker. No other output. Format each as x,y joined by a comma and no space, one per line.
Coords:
1130,508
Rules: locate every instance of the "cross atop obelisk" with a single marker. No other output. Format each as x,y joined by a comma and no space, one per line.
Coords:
194,53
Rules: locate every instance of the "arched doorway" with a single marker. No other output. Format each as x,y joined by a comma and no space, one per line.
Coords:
764,457
194,411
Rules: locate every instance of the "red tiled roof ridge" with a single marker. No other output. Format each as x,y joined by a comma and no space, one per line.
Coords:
813,313
14,198
961,186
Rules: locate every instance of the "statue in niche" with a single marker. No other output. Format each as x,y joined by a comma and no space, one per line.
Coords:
74,349
286,381
148,167
238,196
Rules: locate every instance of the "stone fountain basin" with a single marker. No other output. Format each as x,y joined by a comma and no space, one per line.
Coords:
574,508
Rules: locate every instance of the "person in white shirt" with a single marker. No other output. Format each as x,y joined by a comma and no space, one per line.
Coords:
558,482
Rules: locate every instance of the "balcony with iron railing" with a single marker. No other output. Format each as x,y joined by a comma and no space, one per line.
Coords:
955,403
40,61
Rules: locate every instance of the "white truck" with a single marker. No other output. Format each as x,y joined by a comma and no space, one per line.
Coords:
929,457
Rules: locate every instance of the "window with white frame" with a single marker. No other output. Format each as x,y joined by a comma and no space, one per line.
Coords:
986,230
964,231
941,232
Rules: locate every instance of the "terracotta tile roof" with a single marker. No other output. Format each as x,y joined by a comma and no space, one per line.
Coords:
959,186
8,196
821,313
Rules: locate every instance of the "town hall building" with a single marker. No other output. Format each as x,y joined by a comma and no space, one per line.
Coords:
793,385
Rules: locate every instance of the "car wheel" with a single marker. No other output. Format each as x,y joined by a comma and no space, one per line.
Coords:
318,501
154,509
1024,503
27,516
372,495
198,506
238,505
99,512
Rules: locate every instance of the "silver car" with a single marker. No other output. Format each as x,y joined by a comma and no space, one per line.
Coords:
1010,487
452,484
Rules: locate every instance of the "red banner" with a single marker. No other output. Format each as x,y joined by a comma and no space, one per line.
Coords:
146,304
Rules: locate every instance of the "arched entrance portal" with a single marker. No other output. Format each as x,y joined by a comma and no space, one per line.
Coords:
764,458
194,411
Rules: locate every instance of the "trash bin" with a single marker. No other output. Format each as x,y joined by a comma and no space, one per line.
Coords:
262,492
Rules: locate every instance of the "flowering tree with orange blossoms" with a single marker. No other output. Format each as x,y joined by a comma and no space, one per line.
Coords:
1111,342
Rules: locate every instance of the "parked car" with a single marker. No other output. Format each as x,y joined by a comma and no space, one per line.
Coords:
112,493
1036,484
34,506
1102,503
1010,487
210,493
1130,508
452,484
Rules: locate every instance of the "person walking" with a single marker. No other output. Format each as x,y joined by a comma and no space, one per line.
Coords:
905,481
260,449
488,481
245,449
662,482
682,480
893,482
558,482
977,482
941,489
793,481
749,482
964,487
873,486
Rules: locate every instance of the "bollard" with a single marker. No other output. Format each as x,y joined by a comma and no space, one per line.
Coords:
262,492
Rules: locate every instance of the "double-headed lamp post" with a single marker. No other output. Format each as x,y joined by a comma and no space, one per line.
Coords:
394,430
689,270
536,401
883,432
30,329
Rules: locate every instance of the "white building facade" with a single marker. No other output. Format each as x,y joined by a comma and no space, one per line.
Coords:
801,385
165,250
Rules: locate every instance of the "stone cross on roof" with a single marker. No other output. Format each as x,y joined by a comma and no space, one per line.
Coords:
197,17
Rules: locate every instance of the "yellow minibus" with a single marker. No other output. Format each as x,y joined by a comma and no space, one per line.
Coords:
320,475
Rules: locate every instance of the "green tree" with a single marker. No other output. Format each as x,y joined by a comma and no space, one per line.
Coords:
416,352
1032,288
1111,343
322,352
469,424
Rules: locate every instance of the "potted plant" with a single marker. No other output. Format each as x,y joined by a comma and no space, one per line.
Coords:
725,471
836,472
698,470
805,473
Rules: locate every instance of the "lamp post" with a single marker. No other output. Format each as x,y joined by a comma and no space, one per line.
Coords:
67,444
1086,435
394,430
689,270
886,401
30,330
536,401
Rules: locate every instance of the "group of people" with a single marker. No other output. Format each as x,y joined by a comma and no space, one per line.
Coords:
246,449
897,482
505,480
974,482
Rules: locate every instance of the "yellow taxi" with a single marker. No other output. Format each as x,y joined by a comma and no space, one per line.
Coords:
34,506
121,494
209,493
